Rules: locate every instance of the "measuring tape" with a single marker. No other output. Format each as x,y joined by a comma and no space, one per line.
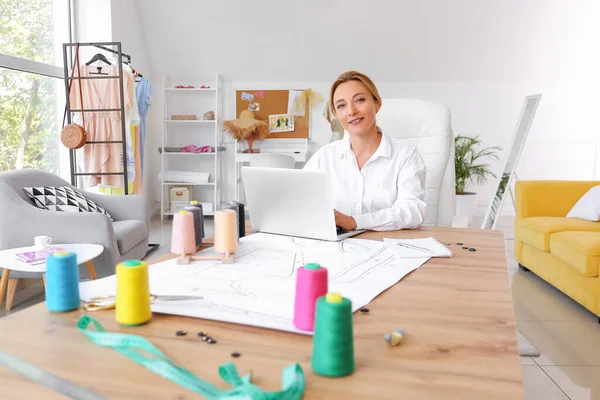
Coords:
47,379
292,378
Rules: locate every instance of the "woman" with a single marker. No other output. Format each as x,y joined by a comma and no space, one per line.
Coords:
377,182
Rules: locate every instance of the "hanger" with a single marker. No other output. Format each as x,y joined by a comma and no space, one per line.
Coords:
135,73
98,57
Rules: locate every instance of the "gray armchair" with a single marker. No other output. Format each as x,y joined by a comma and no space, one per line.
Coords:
21,220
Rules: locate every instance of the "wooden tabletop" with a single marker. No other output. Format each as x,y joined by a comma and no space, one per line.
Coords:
457,313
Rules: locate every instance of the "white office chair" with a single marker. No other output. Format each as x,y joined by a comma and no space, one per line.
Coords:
272,160
426,125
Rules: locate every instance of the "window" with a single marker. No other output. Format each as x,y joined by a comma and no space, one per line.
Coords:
30,121
34,30
32,91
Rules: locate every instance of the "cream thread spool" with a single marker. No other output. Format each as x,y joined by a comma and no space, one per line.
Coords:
226,240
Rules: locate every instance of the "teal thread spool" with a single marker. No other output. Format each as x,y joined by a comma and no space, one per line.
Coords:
62,282
333,341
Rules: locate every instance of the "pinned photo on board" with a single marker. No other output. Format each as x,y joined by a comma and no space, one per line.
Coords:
281,123
254,106
247,96
260,94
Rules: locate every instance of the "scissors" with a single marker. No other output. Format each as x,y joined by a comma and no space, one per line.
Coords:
109,302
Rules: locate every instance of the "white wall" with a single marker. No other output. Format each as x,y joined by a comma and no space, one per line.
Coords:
479,60
562,144
128,29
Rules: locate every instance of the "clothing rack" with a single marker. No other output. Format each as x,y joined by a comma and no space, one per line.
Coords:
72,152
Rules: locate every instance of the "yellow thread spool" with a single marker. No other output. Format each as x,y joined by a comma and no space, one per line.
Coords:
333,298
133,293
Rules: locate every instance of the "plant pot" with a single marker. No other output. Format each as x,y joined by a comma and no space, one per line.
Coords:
466,205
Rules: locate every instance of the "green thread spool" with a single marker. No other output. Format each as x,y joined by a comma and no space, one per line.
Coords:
333,341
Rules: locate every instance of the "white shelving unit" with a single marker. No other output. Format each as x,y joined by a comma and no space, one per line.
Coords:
198,132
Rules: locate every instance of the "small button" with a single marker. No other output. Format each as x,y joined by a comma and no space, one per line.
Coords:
364,309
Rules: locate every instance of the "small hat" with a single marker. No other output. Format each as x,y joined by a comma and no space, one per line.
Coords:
246,125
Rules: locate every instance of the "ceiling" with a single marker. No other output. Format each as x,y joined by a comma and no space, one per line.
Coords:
401,40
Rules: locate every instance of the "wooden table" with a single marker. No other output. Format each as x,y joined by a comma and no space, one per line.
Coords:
457,313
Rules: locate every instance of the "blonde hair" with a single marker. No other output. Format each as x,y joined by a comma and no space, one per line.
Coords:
354,76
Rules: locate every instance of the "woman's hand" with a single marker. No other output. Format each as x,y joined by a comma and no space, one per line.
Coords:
344,221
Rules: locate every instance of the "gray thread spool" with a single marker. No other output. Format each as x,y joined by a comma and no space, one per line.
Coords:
241,216
199,206
197,223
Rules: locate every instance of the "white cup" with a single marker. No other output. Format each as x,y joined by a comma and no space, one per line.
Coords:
41,242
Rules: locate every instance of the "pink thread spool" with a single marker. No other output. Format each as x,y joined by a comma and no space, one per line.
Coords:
311,283
183,239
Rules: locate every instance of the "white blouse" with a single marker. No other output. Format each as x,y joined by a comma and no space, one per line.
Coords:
387,194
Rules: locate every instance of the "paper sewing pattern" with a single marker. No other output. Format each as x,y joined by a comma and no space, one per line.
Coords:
297,103
258,289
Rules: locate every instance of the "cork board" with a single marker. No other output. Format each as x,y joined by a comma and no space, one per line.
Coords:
275,102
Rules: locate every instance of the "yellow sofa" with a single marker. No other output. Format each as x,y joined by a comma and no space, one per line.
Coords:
565,252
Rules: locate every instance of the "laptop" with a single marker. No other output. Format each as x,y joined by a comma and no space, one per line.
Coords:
292,202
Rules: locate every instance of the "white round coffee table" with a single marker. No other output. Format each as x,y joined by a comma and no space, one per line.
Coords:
9,262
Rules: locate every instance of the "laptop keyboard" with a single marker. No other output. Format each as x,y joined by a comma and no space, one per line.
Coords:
341,231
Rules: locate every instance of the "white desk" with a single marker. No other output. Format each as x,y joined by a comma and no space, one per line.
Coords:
9,262
299,156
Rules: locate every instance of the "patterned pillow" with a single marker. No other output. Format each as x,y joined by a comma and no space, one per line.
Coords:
62,198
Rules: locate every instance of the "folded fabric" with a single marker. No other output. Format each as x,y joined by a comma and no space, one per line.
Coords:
195,149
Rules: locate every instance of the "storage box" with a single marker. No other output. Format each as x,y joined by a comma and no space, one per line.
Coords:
184,117
180,193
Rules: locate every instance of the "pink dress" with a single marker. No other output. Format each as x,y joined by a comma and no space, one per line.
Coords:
102,125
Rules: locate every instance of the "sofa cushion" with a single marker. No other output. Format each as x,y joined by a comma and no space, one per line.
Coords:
129,233
588,207
578,249
62,198
537,231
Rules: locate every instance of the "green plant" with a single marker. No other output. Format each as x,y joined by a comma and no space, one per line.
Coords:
467,162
